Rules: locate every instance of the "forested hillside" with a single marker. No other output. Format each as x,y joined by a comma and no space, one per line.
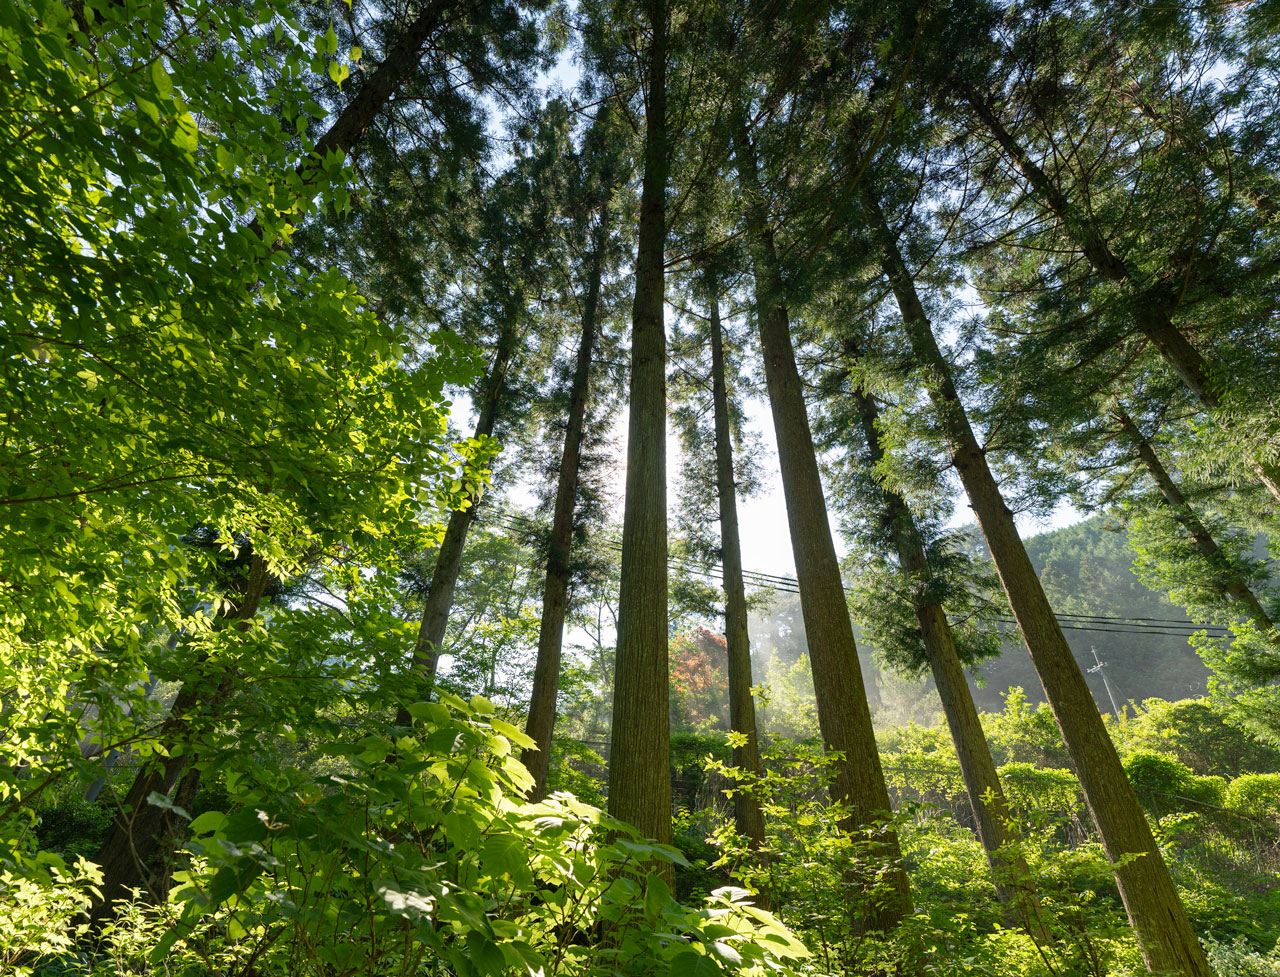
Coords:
384,393
1087,574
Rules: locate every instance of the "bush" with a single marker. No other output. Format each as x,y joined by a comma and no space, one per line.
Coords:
1238,959
1023,734
1196,733
1165,786
73,826
1257,795
1034,789
422,853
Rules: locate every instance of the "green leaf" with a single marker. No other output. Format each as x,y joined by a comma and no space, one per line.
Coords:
207,822
186,133
338,72
461,830
156,799
413,905
726,953
516,736
657,896
485,954
504,854
160,79
689,963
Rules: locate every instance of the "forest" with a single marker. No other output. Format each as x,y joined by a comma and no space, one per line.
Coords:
564,488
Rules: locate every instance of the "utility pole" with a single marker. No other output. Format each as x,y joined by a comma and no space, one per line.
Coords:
1100,668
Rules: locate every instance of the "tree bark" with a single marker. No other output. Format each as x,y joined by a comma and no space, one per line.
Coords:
381,84
1155,302
1229,582
742,709
354,120
986,795
1169,944
555,588
131,841
639,767
444,577
844,716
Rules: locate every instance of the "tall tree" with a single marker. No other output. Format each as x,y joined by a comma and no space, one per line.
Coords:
843,713
742,709
1225,577
934,646
639,780
1087,176
555,593
1169,944
507,275
130,844
438,600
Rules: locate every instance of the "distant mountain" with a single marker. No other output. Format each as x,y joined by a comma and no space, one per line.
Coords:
1086,569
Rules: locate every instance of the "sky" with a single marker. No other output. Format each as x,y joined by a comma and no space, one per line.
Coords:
766,540
766,543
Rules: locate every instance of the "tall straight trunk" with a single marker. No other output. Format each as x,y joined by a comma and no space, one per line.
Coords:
844,716
555,588
438,603
640,748
742,709
1229,582
132,839
1156,303
1168,942
986,795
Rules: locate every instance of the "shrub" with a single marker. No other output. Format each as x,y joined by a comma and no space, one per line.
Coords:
1034,789
1025,734
1257,795
1238,959
1165,786
1197,734
73,826
426,852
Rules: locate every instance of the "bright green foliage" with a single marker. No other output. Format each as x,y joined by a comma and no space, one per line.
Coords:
814,872
38,912
1164,785
1023,733
1257,795
1198,734
419,854
1238,959
165,368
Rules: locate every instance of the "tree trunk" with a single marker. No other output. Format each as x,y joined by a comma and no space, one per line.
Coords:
1228,580
555,589
742,710
1168,942
639,767
444,577
844,717
986,795
134,835
1155,302
372,96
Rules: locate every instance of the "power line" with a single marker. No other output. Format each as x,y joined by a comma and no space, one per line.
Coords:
1117,627
1102,624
